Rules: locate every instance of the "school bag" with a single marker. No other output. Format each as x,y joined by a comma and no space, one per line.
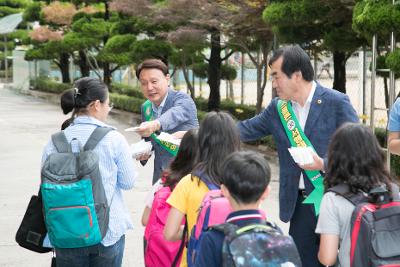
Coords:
214,209
74,201
160,252
256,245
375,226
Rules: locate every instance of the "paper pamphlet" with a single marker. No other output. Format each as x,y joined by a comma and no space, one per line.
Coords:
141,148
132,129
169,138
301,155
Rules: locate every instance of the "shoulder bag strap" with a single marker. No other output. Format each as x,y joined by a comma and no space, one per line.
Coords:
60,142
96,137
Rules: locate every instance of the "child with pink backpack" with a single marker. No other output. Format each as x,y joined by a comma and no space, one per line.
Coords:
158,251
217,138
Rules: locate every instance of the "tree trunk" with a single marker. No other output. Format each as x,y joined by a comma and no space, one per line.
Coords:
214,71
106,65
231,92
188,83
64,67
260,91
83,64
339,66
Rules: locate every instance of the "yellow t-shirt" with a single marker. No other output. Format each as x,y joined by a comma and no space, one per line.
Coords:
186,197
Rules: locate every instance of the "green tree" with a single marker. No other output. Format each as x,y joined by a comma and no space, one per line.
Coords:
250,34
380,17
9,7
317,25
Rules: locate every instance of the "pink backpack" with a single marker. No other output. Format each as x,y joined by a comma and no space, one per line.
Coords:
214,210
159,252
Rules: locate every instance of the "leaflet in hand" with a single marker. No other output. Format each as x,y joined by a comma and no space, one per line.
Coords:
301,155
169,138
132,129
141,148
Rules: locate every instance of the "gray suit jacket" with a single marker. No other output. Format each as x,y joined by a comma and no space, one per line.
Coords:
178,114
329,110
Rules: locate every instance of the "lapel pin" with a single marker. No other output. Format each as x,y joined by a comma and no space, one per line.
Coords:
319,101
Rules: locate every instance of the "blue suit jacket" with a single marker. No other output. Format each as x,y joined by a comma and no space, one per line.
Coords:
329,110
178,114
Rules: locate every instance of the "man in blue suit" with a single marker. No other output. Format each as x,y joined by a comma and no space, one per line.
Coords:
170,111
319,111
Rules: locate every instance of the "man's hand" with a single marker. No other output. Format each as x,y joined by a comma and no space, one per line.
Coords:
148,127
318,163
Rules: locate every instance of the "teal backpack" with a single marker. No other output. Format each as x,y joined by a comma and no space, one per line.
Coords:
74,201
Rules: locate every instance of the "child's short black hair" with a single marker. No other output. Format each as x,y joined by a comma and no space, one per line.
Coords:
246,175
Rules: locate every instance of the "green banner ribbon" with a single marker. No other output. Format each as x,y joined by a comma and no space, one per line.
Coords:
297,138
148,116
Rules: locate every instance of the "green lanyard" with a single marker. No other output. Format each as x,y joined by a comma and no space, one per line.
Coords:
297,138
148,116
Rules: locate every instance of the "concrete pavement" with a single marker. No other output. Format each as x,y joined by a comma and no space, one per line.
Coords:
26,123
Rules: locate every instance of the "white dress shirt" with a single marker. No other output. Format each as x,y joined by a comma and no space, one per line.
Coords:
302,114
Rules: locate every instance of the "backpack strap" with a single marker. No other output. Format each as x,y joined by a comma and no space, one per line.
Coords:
60,142
96,137
182,245
344,191
229,229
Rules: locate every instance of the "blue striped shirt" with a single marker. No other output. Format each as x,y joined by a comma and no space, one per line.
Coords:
116,168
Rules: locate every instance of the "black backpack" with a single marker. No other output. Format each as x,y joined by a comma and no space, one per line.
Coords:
257,245
375,226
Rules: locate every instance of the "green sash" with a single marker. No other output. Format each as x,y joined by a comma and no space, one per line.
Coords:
148,116
297,138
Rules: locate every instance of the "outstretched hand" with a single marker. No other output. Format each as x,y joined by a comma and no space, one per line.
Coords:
148,127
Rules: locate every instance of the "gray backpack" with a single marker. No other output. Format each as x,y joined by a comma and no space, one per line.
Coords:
74,202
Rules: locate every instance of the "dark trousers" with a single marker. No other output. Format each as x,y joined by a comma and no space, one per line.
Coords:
302,229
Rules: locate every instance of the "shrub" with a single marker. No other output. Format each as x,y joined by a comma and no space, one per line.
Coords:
47,85
127,103
239,111
125,89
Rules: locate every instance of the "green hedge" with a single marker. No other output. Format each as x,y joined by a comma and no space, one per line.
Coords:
125,102
124,89
239,111
48,85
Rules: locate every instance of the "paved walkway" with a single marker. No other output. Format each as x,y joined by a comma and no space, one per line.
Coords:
26,123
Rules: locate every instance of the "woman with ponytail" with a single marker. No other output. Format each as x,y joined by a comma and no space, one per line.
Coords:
90,104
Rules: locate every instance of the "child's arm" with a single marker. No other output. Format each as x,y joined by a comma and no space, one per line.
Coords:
145,216
173,230
328,249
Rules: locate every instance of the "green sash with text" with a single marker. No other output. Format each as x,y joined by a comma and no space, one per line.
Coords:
148,116
297,138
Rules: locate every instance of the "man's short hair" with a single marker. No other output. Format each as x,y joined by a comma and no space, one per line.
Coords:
246,175
152,64
294,59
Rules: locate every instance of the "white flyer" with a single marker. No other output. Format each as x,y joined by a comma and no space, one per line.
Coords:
169,138
141,148
302,155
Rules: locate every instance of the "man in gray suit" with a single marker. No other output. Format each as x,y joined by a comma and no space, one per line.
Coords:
304,114
165,110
